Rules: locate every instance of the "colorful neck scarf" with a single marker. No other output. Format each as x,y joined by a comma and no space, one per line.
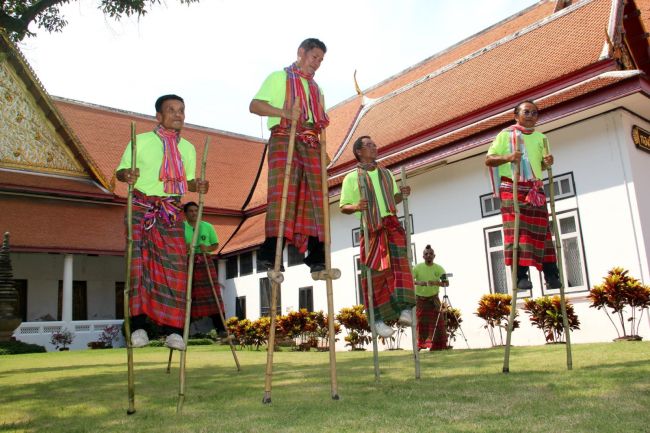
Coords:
378,254
172,172
526,173
313,103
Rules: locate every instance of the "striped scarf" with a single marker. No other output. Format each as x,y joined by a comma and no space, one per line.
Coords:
378,253
164,209
172,172
526,173
296,90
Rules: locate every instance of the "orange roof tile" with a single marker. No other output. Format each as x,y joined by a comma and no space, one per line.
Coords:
27,181
342,115
104,132
250,234
564,44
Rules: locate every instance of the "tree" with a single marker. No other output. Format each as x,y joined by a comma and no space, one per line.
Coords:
17,15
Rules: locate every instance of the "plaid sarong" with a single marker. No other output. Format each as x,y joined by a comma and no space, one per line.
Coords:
203,303
430,335
158,266
535,242
392,288
304,215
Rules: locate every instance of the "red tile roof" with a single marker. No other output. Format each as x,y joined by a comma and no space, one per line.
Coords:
48,184
569,41
250,234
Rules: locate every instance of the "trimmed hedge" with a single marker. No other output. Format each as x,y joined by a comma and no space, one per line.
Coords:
18,347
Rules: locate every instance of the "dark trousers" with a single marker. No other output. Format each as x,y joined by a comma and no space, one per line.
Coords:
142,322
315,248
549,270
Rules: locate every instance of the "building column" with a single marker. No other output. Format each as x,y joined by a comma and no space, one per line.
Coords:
66,301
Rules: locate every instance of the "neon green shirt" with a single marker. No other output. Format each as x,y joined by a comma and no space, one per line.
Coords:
207,235
424,272
534,147
274,90
150,157
350,193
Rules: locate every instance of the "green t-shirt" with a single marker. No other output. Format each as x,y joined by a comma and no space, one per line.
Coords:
207,235
149,159
350,193
274,90
534,147
424,272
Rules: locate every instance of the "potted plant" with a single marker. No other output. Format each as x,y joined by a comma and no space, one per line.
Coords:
62,339
494,308
621,292
546,313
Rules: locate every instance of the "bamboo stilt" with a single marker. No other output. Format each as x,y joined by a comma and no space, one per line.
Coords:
222,315
371,302
409,253
188,293
560,264
275,276
328,266
169,361
127,280
515,252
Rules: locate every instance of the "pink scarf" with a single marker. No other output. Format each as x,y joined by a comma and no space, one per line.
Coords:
296,90
172,172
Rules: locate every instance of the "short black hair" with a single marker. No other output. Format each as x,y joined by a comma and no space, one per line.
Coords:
311,43
163,98
188,205
524,102
358,144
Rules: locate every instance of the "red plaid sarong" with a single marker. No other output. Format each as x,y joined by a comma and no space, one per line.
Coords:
535,242
392,288
431,335
304,215
158,267
203,303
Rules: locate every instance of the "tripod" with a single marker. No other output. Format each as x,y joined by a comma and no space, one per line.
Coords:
446,299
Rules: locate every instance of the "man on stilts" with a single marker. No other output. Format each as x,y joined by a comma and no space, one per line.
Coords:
203,302
392,282
303,225
166,165
521,143
428,278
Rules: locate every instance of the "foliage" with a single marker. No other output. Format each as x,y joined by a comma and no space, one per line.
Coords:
17,15
546,313
452,321
394,341
18,347
109,334
619,292
356,323
311,329
251,334
62,338
494,308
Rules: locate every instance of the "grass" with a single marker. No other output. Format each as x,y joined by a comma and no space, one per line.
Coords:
608,390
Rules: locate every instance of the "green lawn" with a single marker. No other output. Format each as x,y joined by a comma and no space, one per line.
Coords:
460,391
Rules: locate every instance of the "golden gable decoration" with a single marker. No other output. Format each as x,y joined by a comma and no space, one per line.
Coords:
29,140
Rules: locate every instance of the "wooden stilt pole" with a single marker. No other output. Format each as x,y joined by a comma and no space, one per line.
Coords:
409,253
127,279
371,307
328,266
560,264
169,361
221,313
275,275
515,251
188,293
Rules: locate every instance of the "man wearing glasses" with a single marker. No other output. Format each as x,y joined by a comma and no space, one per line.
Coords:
521,143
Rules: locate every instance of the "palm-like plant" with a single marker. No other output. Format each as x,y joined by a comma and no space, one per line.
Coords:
546,313
494,308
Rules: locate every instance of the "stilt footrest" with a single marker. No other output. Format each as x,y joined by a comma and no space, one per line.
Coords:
331,274
276,277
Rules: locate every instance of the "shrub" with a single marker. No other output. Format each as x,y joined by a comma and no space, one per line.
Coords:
251,334
355,321
452,321
618,292
311,329
494,308
546,313
18,348
61,339
109,334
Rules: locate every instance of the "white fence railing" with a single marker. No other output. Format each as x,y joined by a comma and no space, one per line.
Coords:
84,332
